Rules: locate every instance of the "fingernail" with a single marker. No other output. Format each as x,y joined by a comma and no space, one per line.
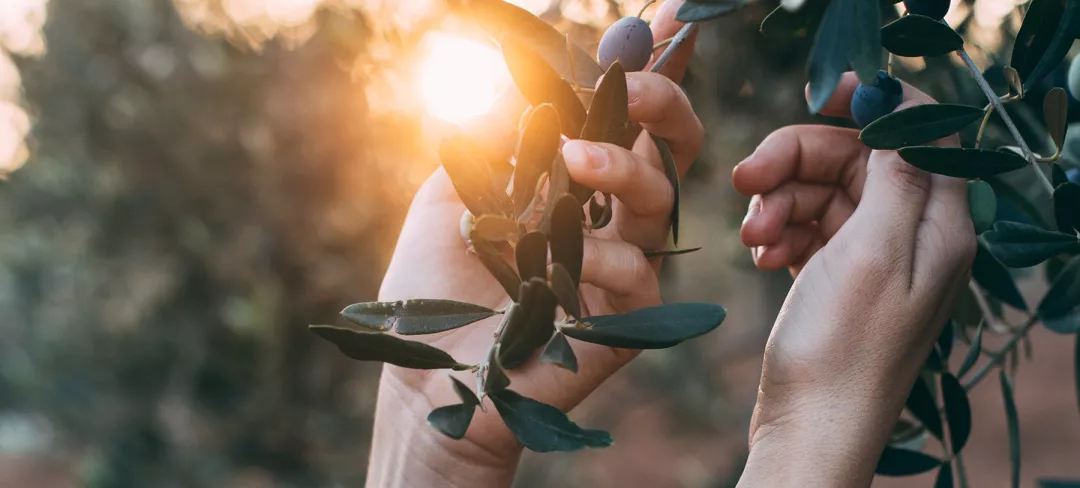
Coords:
633,89
584,155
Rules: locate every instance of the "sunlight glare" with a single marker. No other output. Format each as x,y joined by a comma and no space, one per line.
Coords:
460,79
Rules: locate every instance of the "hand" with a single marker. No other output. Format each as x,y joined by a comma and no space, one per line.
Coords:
431,261
880,250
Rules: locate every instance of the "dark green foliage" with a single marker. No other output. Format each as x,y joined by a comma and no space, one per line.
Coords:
530,325
1013,423
672,173
628,41
957,411
649,328
904,462
1058,176
864,54
543,428
536,150
540,84
1019,245
782,23
1064,294
983,205
944,477
829,55
496,378
608,118
972,355
671,252
1068,29
920,402
1055,113
702,10
1036,33
918,35
377,346
1067,207
458,156
920,124
418,316
962,162
567,244
938,360
531,255
559,353
990,274
935,9
452,420
562,284
495,264
1045,483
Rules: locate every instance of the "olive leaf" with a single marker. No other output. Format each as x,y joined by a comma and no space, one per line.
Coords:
496,376
531,255
649,328
957,411
1019,245
961,162
496,228
536,151
1067,207
600,213
1055,113
990,274
562,284
1064,294
558,185
543,428
1065,324
1057,175
1068,29
829,53
917,35
784,23
966,311
944,477
418,316
864,53
559,353
672,173
1036,33
973,352
904,462
608,118
938,359
982,202
454,420
530,326
1047,483
567,240
1012,77
671,252
918,125
1010,197
1014,428
472,178
363,345
498,17
540,84
920,402
493,261
702,10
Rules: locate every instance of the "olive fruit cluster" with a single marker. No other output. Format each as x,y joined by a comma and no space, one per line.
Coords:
872,102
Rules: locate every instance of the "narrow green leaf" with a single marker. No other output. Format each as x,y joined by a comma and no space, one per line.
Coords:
864,50
961,162
957,411
498,17
452,420
828,55
982,202
1067,206
567,240
565,290
376,346
671,252
531,325
418,316
650,328
542,427
1014,428
1012,77
945,341
1019,245
1065,324
966,310
493,261
1011,198
472,177
972,355
920,124
1055,113
600,213
609,114
1059,483
558,185
904,462
702,10
535,153
1067,31
786,24
496,379
559,353
944,477
464,393
540,84
672,173
1040,24
990,274
920,402
531,255
918,35
1064,294
1058,176
496,228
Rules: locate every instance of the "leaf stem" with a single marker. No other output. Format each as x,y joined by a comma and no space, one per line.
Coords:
482,368
889,66
1000,356
984,307
662,43
996,102
961,472
647,5
677,41
982,127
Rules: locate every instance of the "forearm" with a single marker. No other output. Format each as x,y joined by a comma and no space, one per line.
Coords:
406,452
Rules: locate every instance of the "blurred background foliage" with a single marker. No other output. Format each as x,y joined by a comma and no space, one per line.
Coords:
198,180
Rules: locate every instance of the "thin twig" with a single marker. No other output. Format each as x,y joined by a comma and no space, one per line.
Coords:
998,357
647,4
961,472
983,125
996,102
662,43
676,42
984,307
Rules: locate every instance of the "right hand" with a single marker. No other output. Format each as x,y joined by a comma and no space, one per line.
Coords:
880,250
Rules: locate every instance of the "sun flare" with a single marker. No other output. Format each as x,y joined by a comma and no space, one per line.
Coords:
460,79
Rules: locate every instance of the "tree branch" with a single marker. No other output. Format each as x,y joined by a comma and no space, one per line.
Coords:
676,42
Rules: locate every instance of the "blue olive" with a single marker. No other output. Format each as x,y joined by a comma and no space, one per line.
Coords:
871,102
630,40
1074,79
935,9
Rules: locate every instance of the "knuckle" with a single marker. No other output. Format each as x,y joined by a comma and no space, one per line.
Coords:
908,179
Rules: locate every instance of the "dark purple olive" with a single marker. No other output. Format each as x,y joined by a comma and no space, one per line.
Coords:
871,102
629,40
935,9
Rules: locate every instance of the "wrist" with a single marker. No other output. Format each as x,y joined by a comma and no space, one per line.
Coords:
406,452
